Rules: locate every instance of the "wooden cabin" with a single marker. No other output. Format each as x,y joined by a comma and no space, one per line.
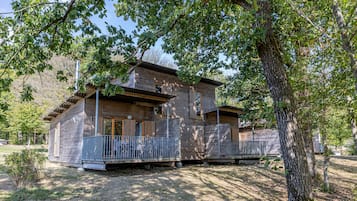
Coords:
157,118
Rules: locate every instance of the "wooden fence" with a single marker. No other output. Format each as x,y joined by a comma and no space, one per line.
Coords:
130,149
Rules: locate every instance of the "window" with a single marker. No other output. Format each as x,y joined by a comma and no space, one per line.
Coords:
197,103
112,126
57,139
138,128
157,88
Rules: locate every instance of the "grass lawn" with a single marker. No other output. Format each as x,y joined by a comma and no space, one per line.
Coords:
192,182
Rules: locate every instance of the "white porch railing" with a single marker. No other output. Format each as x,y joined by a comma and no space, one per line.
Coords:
130,148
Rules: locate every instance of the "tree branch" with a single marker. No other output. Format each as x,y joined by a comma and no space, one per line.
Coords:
354,12
28,7
301,14
54,22
346,45
60,19
243,3
158,34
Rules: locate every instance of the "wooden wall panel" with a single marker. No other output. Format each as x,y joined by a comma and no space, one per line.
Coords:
148,128
128,127
235,135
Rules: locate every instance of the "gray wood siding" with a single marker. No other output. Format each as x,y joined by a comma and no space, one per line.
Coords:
191,126
71,135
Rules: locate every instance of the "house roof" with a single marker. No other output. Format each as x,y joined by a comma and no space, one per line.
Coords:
72,100
133,95
171,71
227,110
128,95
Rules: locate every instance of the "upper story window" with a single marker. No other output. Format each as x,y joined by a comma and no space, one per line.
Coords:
158,89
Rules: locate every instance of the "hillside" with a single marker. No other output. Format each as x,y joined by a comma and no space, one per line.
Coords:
49,92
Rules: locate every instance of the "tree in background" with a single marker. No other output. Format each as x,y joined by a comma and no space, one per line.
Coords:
5,100
25,123
345,15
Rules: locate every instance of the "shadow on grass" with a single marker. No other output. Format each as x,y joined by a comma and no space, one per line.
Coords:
36,194
132,170
345,168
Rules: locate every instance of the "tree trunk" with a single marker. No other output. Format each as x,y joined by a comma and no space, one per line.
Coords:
291,141
353,128
325,168
326,152
309,145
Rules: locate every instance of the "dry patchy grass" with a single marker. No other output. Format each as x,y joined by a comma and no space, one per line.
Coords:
193,182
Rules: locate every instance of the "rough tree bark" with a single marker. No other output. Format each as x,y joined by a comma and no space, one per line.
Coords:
309,146
353,128
304,106
291,141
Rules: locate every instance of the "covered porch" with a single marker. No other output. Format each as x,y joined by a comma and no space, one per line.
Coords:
222,136
130,127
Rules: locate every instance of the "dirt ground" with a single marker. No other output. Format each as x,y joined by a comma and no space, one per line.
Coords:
192,182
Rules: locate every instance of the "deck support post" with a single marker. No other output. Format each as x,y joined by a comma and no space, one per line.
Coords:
218,134
77,75
96,112
167,119
238,125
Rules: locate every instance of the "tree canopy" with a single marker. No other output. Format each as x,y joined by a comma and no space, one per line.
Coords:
276,47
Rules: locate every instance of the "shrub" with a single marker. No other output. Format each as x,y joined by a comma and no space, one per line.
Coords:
271,163
23,167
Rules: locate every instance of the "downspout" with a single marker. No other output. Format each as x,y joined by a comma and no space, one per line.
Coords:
96,112
218,134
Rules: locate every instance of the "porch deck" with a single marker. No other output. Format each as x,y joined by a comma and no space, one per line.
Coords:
237,150
129,149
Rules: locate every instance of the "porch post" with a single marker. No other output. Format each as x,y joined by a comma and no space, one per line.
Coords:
218,134
167,119
238,124
77,75
96,111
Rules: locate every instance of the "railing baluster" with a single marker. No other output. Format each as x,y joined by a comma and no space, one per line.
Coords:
123,148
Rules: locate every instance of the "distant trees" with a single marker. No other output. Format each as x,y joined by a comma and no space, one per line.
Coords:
22,123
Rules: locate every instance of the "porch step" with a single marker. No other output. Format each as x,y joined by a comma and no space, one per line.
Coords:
94,166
